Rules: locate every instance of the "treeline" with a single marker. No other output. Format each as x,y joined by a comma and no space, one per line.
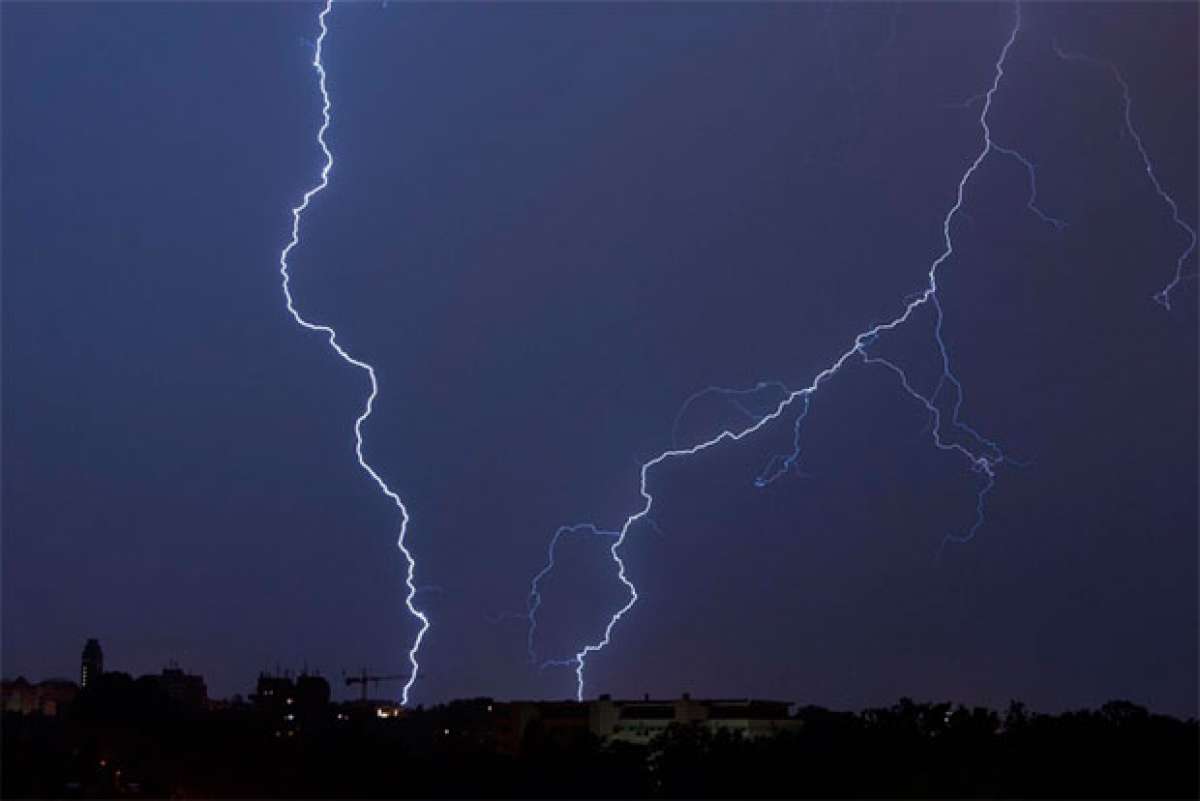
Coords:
133,744
937,750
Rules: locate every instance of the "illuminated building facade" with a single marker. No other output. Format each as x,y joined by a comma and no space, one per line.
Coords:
520,723
50,697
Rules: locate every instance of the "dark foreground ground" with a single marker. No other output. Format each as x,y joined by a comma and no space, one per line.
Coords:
907,750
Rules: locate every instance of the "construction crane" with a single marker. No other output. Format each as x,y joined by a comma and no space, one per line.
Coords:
363,679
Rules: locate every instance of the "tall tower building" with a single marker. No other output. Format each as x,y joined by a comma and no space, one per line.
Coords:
93,662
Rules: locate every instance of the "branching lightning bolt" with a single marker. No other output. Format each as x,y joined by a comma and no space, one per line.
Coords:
949,432
340,351
983,456
1031,204
535,594
733,396
1163,296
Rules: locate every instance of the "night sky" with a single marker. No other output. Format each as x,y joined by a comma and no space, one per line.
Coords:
548,225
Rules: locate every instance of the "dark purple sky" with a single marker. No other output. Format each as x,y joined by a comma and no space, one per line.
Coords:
548,224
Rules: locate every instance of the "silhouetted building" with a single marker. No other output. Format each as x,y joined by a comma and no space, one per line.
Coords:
184,689
312,693
49,697
290,705
92,662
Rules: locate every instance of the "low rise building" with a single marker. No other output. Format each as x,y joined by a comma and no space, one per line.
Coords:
50,697
641,721
519,725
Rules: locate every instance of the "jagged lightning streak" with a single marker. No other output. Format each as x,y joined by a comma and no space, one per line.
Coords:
1032,203
1163,296
779,465
983,455
733,396
326,106
535,593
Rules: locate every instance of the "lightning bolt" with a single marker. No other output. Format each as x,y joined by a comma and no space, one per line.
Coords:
535,590
331,334
1031,204
535,594
949,432
1163,296
733,396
